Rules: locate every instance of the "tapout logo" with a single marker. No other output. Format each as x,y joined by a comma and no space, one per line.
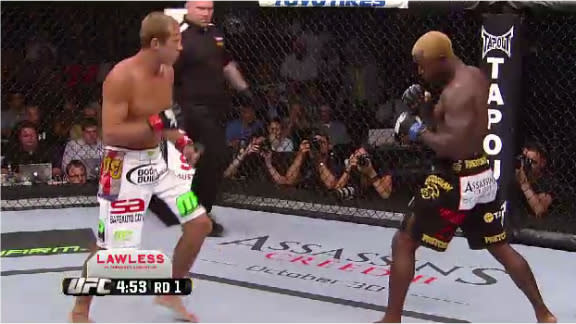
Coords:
493,142
502,43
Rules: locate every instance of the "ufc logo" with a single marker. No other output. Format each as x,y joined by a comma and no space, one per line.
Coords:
87,286
127,206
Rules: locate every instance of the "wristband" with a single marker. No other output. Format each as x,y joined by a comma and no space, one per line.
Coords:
374,179
156,123
181,142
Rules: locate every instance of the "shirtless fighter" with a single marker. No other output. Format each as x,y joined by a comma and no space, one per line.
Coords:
137,112
465,193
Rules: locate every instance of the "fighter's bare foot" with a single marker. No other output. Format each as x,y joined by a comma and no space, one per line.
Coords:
389,319
546,317
175,304
79,317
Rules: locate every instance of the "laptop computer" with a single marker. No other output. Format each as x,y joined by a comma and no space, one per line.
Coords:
37,173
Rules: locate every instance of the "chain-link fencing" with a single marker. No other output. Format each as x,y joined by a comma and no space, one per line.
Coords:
328,78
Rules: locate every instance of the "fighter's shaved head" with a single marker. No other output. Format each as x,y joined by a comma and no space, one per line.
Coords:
156,25
433,45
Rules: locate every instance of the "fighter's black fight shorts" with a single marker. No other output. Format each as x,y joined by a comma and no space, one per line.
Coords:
464,195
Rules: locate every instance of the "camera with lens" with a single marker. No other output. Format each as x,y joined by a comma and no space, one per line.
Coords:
346,193
363,160
522,160
314,144
266,145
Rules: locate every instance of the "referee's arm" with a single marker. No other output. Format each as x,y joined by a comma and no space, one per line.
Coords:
233,75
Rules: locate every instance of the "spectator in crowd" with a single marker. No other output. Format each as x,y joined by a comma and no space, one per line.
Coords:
244,165
273,106
369,177
27,151
315,166
387,112
249,163
299,67
32,115
335,129
243,128
533,179
90,111
64,120
277,137
39,48
297,123
87,149
14,114
361,75
76,172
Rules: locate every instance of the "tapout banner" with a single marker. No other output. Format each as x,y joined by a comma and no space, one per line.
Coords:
502,62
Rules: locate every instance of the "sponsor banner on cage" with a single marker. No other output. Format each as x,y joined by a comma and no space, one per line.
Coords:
129,263
335,3
502,63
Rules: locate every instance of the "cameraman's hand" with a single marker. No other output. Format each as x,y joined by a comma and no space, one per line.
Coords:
352,162
267,155
521,175
304,147
252,148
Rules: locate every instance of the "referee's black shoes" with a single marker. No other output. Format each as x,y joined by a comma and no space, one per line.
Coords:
217,229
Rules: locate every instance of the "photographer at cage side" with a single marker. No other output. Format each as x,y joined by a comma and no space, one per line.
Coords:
361,164
249,162
533,180
316,166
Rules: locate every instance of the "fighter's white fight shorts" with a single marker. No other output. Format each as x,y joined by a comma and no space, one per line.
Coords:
128,179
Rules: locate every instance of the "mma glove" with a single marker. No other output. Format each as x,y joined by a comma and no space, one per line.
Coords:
167,119
414,98
170,119
409,124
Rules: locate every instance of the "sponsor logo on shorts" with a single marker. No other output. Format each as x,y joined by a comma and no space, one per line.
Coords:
495,238
502,42
112,166
127,206
434,241
122,219
144,174
123,235
452,216
489,217
480,187
127,211
433,184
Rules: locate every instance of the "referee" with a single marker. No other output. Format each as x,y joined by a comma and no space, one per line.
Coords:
200,79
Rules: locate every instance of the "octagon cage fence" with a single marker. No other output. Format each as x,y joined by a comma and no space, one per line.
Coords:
333,72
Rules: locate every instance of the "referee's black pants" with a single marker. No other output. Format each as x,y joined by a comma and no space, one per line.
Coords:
205,125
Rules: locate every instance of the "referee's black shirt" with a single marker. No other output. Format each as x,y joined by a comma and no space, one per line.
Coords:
199,76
